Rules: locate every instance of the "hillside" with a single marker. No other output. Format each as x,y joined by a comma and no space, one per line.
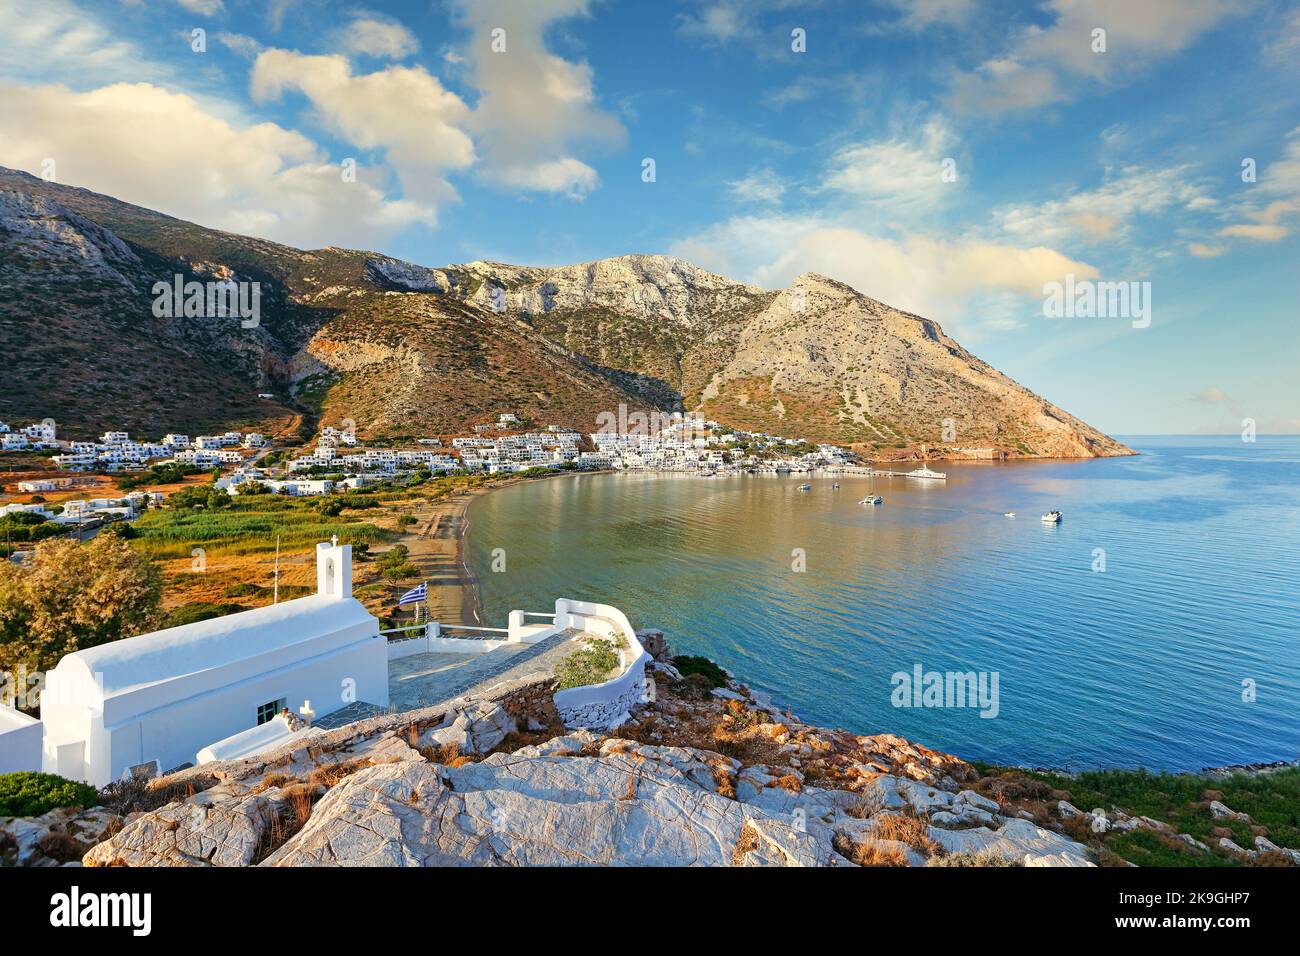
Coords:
404,350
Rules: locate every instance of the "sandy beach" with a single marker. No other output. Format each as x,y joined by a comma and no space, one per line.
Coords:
437,547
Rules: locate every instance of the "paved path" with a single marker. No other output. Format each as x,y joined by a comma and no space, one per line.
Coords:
422,680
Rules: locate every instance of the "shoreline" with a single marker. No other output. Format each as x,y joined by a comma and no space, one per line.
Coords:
454,596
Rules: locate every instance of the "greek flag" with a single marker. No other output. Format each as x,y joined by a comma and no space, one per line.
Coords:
416,594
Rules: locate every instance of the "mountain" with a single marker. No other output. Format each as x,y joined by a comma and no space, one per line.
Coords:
405,350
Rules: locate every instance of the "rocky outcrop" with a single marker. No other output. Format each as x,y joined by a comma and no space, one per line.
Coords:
464,784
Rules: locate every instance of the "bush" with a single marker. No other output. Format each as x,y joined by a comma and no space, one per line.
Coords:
29,794
693,664
587,665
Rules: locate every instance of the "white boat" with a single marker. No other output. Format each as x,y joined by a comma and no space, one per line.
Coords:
836,485
1008,514
924,472
871,500
1052,517
805,487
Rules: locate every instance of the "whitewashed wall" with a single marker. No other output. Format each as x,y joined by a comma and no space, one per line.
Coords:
20,741
602,705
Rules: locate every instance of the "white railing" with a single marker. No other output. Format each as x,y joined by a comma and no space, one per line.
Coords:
437,637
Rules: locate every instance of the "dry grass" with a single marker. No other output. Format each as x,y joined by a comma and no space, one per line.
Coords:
745,843
906,828
869,853
327,775
138,794
868,804
62,846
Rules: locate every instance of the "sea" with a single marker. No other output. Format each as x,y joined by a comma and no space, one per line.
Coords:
1156,625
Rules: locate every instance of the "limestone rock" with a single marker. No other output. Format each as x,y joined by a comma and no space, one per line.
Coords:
212,828
1018,840
633,807
1221,812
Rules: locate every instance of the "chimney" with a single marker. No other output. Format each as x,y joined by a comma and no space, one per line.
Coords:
334,569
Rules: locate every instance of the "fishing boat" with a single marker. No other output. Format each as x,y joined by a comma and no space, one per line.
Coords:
1008,514
1052,517
924,472
871,500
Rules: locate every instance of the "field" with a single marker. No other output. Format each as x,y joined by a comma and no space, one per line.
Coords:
217,560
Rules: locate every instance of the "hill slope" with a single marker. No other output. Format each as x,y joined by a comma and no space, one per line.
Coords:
405,350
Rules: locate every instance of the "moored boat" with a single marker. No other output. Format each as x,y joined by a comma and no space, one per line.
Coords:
924,472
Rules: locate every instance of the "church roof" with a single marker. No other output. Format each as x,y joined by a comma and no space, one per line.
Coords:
218,643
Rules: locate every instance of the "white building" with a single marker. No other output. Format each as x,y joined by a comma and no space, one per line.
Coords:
161,698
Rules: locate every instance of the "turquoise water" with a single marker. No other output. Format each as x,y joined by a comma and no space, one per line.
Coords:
1139,664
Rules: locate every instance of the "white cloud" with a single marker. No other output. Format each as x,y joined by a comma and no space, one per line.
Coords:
721,22
205,8
534,108
1049,64
245,46
936,277
716,22
1126,198
56,41
1283,47
370,35
403,111
759,186
258,179
922,14
1202,251
899,173
567,176
1272,202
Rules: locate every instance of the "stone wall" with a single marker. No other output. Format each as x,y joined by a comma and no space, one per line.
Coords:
609,710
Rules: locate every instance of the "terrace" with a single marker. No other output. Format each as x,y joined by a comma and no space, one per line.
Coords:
433,662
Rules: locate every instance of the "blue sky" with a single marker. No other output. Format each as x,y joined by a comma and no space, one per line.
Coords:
1122,164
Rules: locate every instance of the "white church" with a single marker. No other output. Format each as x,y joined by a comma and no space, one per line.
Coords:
161,698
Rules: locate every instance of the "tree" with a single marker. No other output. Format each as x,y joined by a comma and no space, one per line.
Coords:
73,596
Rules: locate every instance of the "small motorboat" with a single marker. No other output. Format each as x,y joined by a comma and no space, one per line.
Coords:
835,486
805,487
871,500
1008,514
1052,517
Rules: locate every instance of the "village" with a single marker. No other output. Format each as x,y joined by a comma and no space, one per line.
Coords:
340,461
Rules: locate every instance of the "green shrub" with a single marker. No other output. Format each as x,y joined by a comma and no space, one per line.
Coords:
29,794
587,665
693,664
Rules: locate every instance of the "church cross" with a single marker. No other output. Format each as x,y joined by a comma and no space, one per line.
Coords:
306,711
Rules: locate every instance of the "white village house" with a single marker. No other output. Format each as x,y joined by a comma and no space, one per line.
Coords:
162,697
